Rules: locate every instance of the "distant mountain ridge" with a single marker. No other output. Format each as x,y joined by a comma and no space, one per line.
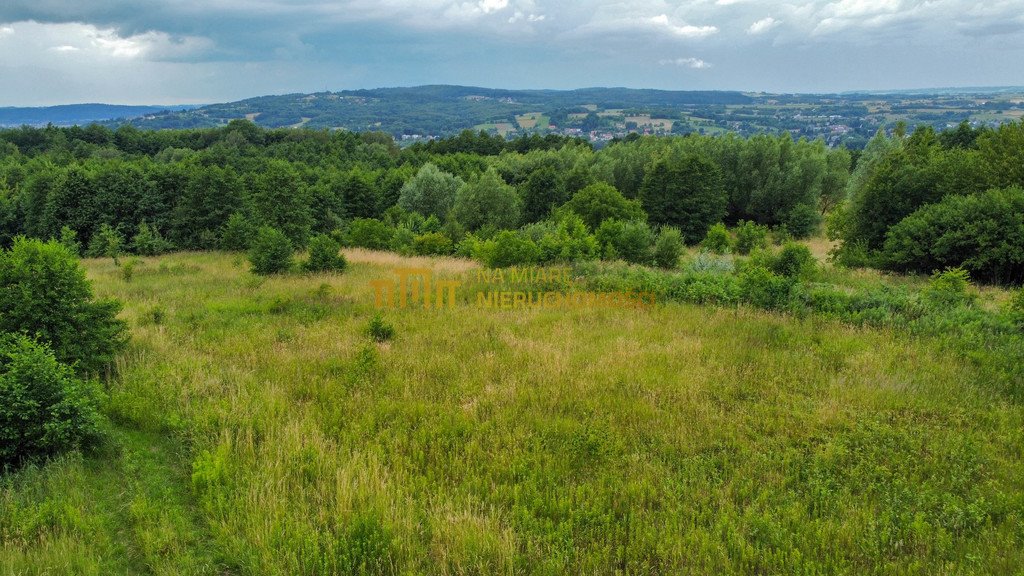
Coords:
425,110
71,114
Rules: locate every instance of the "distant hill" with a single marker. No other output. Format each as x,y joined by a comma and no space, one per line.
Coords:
433,110
71,114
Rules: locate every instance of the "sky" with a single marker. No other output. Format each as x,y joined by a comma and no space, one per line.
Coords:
207,51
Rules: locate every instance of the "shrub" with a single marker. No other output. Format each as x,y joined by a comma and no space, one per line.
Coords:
802,221
506,249
128,269
402,240
44,294
432,244
370,233
324,255
668,248
763,288
948,289
599,202
69,239
750,236
794,261
106,243
149,242
983,234
237,234
430,192
568,241
44,409
717,239
1016,307
379,329
705,262
636,242
271,252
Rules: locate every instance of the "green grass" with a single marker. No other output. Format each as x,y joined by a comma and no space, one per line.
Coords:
256,428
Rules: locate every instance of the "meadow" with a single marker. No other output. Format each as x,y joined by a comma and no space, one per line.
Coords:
255,427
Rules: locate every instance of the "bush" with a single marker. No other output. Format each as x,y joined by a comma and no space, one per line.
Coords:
379,329
1016,307
432,244
487,201
44,409
271,252
402,240
794,261
237,234
69,239
668,248
324,255
750,236
44,294
149,242
370,233
568,241
506,249
636,242
983,234
948,289
765,289
802,221
106,243
599,202
717,239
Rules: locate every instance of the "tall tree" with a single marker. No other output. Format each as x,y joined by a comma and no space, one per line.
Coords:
684,191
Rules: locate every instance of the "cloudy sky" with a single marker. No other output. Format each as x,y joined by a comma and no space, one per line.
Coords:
202,51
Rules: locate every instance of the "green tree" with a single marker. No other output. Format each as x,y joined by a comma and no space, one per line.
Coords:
107,242
601,201
271,252
487,201
360,195
668,248
685,192
44,409
542,190
148,241
281,200
324,255
431,192
44,294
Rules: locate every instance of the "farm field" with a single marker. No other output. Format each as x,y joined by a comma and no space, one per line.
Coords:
255,428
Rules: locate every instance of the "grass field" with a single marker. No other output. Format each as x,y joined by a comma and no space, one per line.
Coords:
257,429
532,120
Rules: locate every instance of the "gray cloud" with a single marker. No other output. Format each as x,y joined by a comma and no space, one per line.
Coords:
211,49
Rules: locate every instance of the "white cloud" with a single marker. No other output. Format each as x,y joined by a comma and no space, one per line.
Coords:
65,48
489,6
763,25
695,63
6,30
683,30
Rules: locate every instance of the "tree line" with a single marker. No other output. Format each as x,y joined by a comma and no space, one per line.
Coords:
213,188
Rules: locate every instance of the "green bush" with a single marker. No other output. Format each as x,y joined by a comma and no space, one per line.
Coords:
794,261
432,244
237,234
106,243
948,289
149,242
765,289
379,329
506,249
44,409
802,221
668,248
983,234
1016,307
599,202
271,252
402,240
324,255
636,243
566,241
750,236
370,233
69,239
44,294
717,240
